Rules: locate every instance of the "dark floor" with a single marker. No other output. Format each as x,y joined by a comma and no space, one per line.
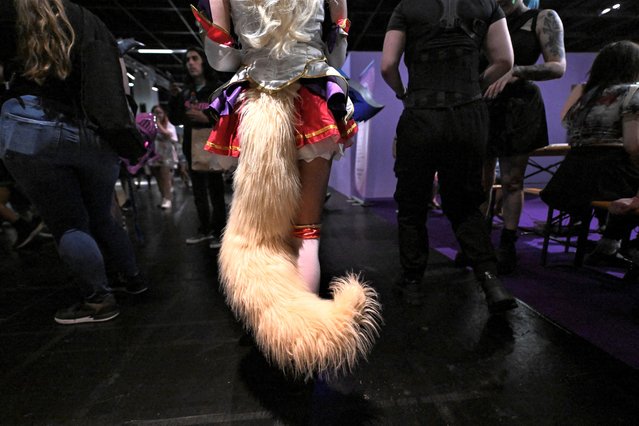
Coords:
175,356
593,302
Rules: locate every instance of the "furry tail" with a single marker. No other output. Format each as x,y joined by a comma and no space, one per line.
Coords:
297,330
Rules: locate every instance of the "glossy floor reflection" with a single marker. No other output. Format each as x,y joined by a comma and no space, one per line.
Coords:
175,356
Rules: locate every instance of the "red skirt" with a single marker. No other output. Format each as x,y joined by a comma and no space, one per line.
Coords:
316,124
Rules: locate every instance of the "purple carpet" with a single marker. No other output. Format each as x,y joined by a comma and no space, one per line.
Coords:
593,303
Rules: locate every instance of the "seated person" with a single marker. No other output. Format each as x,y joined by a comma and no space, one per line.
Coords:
26,229
603,132
629,207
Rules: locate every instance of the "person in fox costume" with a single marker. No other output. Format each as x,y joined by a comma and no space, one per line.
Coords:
287,112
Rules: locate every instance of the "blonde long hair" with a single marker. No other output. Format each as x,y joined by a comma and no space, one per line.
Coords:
45,39
280,23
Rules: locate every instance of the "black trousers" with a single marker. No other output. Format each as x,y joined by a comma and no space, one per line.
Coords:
452,142
208,194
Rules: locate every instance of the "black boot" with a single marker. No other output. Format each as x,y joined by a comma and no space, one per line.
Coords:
497,297
507,253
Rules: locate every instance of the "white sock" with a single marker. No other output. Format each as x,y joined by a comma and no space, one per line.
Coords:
308,264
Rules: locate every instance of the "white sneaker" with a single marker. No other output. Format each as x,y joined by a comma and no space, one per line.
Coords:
166,204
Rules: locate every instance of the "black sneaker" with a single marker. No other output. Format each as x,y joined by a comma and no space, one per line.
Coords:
411,290
131,285
615,260
84,312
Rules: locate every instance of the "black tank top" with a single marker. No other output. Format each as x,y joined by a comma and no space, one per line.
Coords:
525,43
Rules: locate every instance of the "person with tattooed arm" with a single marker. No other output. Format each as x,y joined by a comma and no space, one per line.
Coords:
517,114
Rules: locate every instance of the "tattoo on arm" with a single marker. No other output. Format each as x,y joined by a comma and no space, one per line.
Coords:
553,33
535,72
551,38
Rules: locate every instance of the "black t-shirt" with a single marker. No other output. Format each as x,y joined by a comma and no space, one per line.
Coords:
443,65
418,18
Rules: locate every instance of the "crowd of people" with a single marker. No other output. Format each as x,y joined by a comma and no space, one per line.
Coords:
60,163
266,90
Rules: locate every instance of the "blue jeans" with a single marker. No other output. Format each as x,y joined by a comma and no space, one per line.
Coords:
69,175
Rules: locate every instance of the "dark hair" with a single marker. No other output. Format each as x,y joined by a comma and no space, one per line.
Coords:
616,63
210,75
166,117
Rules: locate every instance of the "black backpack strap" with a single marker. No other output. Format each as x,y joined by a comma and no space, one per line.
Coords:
449,19
475,29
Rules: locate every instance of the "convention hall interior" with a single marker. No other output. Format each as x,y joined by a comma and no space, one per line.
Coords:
177,355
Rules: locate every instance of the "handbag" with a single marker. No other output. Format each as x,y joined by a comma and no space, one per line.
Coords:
200,158
203,160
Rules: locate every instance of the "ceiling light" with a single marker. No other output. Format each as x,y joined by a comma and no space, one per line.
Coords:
161,51
616,6
131,84
131,76
155,89
606,10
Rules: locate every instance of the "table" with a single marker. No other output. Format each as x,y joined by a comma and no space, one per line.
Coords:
554,150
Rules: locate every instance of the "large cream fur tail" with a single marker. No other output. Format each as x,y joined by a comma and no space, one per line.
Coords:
297,330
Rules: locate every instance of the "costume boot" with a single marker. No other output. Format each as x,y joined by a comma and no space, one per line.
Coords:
507,253
498,298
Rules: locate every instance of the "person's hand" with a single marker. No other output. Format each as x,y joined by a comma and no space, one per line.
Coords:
174,89
163,129
196,116
624,206
498,86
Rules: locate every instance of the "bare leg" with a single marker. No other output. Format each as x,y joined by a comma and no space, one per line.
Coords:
163,176
488,180
184,174
314,179
512,184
